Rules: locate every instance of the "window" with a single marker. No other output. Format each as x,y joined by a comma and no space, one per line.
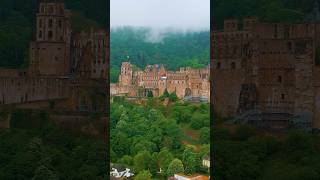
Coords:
60,23
61,9
40,23
279,79
218,65
50,34
50,23
42,9
233,65
289,46
40,34
50,9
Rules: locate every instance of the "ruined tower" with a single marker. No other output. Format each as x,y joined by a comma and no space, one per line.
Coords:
49,52
125,77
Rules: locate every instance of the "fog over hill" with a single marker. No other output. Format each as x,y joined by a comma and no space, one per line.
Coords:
171,47
161,14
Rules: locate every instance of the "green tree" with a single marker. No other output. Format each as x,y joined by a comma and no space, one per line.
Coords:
142,161
42,172
166,93
127,160
173,97
176,166
165,157
143,175
190,161
150,94
204,135
200,120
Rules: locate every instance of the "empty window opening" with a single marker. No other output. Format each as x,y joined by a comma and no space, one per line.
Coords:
233,65
218,65
50,34
280,79
289,46
60,23
40,34
50,23
40,23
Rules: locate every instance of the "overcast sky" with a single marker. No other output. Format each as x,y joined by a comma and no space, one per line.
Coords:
178,14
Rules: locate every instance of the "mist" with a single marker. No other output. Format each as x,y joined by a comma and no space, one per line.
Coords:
161,15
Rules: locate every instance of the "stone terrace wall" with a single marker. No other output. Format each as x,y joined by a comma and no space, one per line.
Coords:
20,90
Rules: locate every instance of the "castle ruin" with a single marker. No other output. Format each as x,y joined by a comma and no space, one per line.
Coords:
64,66
267,74
187,83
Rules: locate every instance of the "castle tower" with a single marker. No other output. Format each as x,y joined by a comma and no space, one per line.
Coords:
125,77
49,52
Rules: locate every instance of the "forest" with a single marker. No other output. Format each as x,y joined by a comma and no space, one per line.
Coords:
245,153
142,46
150,136
265,10
17,23
35,148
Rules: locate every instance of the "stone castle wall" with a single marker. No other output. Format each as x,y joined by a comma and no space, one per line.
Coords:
269,67
155,78
63,65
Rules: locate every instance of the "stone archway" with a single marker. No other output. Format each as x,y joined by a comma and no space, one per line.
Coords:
187,92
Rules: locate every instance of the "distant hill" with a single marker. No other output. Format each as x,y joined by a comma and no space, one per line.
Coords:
266,10
145,46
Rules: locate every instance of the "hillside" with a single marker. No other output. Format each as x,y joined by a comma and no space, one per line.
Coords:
145,46
17,19
153,136
266,10
36,148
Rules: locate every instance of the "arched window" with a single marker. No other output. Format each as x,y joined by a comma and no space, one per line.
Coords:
279,79
40,23
233,65
50,23
218,65
60,24
50,35
42,9
40,34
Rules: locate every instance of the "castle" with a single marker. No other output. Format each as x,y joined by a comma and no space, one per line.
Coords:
64,69
187,83
268,74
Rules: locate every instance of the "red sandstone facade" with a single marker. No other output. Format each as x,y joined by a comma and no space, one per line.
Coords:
63,65
186,82
267,73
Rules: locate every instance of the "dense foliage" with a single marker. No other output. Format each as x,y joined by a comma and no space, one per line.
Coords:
154,136
145,46
247,153
17,22
266,10
34,148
